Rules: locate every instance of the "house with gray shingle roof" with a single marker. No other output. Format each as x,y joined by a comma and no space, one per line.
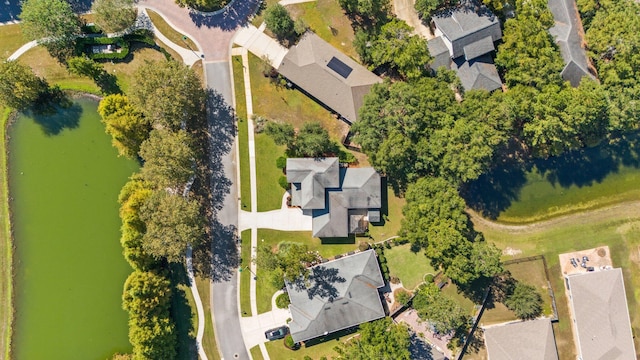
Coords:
464,41
337,295
342,200
600,313
524,340
567,31
329,76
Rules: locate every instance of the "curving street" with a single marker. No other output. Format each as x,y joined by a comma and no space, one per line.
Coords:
213,34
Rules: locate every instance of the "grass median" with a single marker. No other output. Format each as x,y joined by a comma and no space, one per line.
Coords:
243,133
245,275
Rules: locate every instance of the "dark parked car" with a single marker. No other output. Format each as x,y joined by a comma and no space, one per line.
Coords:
277,333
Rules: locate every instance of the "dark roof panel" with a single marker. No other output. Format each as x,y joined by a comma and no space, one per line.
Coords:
338,66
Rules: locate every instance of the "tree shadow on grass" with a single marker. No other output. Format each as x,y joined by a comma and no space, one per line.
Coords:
181,312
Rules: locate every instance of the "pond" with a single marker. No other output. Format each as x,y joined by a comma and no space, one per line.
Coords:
575,181
64,181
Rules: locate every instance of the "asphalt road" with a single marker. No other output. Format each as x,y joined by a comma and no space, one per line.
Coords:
224,299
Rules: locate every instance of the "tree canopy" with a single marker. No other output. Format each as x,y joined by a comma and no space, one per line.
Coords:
289,262
311,141
172,223
53,23
525,301
381,339
126,125
147,298
20,88
444,313
398,49
113,16
528,54
168,158
168,93
279,22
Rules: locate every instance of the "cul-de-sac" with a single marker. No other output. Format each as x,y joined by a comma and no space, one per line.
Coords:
320,179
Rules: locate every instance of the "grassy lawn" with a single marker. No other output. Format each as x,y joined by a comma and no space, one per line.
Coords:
451,290
243,133
245,276
208,340
619,230
170,32
56,74
531,273
316,350
289,105
267,174
587,179
326,18
410,267
10,40
392,216
256,354
265,289
6,307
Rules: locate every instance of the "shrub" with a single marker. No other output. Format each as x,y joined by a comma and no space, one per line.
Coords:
282,181
394,280
288,342
282,301
428,278
387,244
363,246
347,157
281,162
403,296
307,357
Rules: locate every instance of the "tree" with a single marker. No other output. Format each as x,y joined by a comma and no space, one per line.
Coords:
172,222
147,298
294,259
279,22
52,23
381,339
433,202
168,158
113,16
441,311
397,48
168,93
132,196
281,133
525,301
126,125
395,126
20,88
528,54
426,8
311,141
367,13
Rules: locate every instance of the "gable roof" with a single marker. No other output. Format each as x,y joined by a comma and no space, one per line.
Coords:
479,73
314,175
466,24
568,34
330,191
601,315
338,294
527,340
439,52
328,75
